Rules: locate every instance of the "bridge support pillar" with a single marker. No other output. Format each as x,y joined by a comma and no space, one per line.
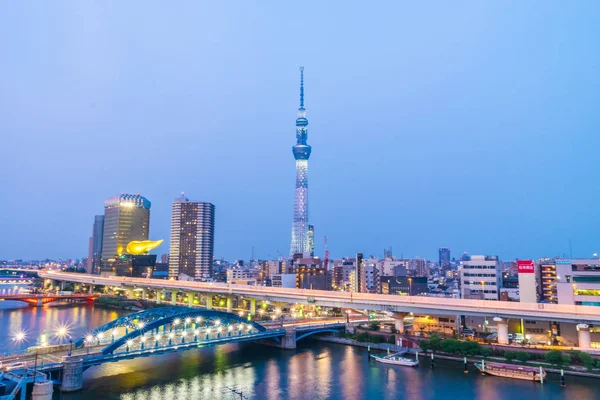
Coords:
253,306
502,326
42,390
130,294
144,291
583,336
158,293
174,297
209,301
190,299
399,321
229,304
289,340
91,289
62,285
72,379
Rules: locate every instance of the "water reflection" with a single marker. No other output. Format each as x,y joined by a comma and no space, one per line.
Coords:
314,371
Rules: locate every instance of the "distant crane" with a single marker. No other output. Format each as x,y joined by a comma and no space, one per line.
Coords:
326,255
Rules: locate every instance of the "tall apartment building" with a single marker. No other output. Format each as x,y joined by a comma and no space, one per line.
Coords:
275,267
419,267
480,278
192,239
361,274
126,218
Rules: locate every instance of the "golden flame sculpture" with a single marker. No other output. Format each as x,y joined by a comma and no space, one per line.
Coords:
137,247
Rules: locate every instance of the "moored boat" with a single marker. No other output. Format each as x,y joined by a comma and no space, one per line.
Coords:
393,360
512,371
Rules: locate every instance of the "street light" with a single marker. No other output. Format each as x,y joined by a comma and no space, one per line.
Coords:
410,286
61,332
482,290
19,336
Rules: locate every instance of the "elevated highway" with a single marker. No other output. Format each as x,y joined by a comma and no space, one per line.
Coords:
365,301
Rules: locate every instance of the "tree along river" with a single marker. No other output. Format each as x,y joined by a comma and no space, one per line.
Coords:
315,370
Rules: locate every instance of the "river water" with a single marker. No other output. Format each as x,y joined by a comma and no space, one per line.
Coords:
315,370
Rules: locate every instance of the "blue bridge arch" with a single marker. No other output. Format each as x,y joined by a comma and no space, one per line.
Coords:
157,317
309,333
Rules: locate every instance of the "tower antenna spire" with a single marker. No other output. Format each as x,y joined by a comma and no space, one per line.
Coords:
301,87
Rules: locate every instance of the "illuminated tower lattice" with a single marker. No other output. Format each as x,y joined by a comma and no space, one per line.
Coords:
300,240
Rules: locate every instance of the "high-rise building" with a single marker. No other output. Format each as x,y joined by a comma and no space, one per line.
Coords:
444,253
126,218
96,244
301,152
311,240
361,274
192,239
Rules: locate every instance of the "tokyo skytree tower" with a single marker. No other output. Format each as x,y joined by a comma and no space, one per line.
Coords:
300,242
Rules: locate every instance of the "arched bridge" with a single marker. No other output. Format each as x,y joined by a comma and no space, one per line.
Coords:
170,326
163,330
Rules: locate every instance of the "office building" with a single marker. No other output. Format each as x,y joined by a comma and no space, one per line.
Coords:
527,281
126,218
578,281
238,275
310,273
299,243
444,257
283,280
480,278
402,285
311,240
96,244
192,240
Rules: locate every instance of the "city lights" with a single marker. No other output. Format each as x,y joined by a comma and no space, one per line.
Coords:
19,336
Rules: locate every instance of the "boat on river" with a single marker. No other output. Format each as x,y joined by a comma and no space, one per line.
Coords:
512,371
396,360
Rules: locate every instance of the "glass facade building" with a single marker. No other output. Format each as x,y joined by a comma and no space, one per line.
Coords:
97,236
126,218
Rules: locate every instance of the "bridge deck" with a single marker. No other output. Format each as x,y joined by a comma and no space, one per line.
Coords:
375,302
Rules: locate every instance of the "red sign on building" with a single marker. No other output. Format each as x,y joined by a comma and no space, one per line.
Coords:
526,266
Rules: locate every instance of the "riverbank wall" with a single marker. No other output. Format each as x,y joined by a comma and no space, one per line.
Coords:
427,355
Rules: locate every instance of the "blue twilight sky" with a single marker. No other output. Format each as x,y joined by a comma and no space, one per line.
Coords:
468,124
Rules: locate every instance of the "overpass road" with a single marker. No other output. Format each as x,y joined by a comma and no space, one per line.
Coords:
365,301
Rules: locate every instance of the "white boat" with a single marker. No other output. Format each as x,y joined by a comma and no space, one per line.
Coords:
407,362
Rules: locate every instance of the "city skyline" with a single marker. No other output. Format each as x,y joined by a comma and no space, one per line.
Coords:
461,127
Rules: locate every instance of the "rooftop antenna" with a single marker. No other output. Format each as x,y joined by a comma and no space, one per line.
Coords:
301,87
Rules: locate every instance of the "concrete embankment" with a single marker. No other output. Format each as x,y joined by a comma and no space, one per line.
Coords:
427,355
